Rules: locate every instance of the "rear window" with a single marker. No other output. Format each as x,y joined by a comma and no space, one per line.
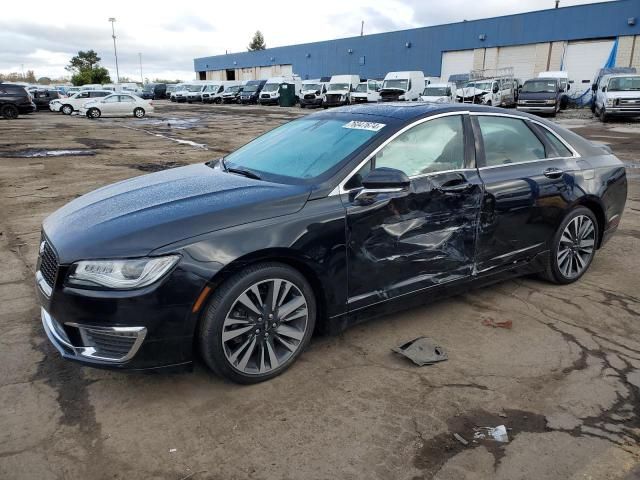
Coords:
560,147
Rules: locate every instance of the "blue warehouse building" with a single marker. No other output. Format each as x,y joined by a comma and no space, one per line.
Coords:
577,39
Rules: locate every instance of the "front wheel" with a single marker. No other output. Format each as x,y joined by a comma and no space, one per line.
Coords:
67,109
138,112
217,100
94,113
603,115
258,322
573,247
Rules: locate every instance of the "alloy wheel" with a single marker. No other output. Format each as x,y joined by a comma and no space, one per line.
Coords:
265,326
576,247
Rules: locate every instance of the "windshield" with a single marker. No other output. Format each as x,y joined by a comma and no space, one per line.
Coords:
302,149
436,92
233,89
480,85
193,88
311,86
338,86
271,87
539,86
624,84
250,88
400,84
362,88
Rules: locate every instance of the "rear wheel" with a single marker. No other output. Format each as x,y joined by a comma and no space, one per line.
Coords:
67,109
138,112
10,112
573,247
258,322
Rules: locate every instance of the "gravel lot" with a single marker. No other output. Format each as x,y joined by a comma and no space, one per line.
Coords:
565,380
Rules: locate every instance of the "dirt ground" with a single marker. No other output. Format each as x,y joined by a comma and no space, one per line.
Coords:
565,380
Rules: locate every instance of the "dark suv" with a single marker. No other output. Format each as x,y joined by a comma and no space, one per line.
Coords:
42,97
14,99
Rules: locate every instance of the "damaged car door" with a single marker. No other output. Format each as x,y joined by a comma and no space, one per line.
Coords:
407,236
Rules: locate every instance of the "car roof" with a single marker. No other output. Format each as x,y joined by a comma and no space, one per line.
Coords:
409,110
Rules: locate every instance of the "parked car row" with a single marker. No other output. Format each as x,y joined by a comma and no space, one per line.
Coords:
99,103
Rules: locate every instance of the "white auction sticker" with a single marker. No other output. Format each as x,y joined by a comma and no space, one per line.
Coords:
374,127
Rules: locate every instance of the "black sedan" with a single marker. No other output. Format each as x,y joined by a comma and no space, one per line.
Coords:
319,224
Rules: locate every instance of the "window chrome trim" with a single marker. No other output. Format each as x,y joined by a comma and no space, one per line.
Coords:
532,120
340,187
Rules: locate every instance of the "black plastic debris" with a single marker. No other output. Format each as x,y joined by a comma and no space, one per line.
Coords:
422,351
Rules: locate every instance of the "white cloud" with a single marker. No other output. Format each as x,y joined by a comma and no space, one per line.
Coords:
170,36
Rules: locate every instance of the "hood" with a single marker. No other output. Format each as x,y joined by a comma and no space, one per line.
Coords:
537,96
434,99
134,217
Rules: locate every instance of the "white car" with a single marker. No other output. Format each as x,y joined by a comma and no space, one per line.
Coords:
117,105
76,101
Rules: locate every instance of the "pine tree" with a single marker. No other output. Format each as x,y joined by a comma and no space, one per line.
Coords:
257,42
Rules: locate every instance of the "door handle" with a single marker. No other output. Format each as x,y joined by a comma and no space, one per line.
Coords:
553,173
456,188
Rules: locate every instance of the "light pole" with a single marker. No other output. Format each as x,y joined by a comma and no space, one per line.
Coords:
115,51
140,57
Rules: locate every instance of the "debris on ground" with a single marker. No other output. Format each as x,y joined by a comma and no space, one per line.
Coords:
460,438
499,433
489,322
173,450
422,351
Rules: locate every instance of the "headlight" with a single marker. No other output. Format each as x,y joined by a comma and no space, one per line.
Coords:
401,97
610,102
120,274
550,102
521,102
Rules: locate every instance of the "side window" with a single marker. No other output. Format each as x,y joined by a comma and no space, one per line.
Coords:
356,180
372,86
111,99
433,146
220,89
560,147
126,98
83,95
508,140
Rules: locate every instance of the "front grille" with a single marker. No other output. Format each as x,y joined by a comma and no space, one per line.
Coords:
309,96
629,102
390,96
48,263
534,103
333,98
109,344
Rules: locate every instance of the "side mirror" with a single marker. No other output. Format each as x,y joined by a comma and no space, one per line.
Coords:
604,89
568,87
561,90
594,87
496,89
385,179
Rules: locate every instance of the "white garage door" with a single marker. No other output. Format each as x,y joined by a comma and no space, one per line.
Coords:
460,61
522,58
582,59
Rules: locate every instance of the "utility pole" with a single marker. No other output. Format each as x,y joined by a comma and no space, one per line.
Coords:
557,3
140,57
115,51
362,28
22,66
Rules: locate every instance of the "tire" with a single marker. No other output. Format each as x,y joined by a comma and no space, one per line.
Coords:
67,109
302,105
217,100
570,255
243,358
94,113
488,103
604,118
138,112
9,112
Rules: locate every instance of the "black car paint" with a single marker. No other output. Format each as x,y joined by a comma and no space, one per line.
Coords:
362,259
11,94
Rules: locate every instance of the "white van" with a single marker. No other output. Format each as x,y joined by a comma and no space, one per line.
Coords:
565,86
365,92
213,90
180,94
439,93
403,86
313,92
618,95
340,89
270,94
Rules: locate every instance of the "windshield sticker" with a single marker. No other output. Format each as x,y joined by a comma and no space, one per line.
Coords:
372,126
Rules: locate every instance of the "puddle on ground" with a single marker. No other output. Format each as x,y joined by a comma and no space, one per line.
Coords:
177,123
39,153
154,167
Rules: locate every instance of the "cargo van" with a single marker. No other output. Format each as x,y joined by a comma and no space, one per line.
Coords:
313,92
270,92
600,74
340,89
618,95
565,86
195,92
251,91
403,86
439,93
368,91
540,95
213,90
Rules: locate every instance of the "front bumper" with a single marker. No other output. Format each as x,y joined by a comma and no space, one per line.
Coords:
55,107
149,328
623,111
316,102
268,101
536,109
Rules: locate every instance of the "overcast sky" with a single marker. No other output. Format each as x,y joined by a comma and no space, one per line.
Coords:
42,36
